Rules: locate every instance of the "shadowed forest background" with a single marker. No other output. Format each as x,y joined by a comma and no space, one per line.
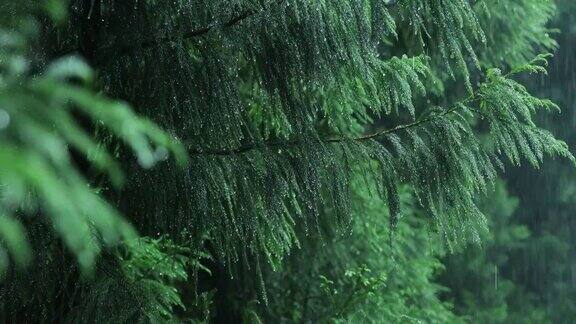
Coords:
287,161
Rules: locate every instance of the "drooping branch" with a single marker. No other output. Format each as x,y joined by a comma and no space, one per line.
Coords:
125,49
296,142
474,96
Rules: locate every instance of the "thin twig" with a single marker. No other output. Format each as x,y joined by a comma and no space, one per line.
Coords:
340,139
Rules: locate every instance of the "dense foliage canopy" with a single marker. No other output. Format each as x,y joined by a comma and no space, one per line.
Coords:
266,160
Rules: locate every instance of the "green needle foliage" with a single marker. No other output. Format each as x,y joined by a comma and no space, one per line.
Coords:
512,28
39,103
142,288
286,109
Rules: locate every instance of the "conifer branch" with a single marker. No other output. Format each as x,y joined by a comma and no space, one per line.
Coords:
123,50
533,66
341,139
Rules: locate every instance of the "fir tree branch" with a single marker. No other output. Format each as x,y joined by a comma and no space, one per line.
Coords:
340,139
194,150
123,50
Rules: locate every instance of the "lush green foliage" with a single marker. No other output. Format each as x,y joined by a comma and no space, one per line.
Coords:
523,273
38,101
476,276
364,277
535,274
322,184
